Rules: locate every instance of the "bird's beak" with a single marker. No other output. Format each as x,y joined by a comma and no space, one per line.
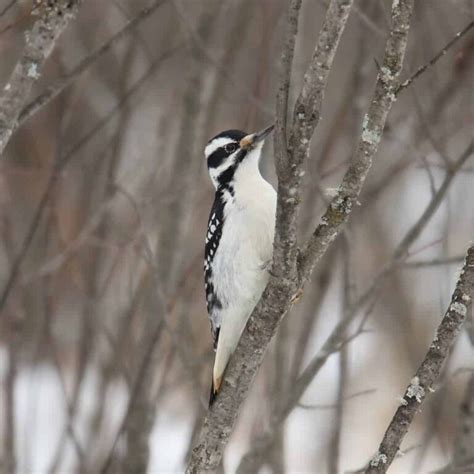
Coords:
251,140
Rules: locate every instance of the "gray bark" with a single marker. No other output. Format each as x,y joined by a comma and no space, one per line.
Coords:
288,275
53,17
423,381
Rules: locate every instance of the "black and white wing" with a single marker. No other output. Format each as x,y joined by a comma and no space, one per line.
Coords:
213,236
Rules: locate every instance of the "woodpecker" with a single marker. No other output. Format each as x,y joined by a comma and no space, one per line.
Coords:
239,240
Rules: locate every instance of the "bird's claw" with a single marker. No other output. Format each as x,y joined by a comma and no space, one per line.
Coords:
296,297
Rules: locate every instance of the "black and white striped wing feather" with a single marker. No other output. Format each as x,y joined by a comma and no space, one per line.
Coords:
213,236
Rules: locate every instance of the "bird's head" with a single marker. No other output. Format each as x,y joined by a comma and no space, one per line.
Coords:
227,150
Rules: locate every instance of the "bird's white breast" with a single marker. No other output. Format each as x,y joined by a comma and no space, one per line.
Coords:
240,265
241,261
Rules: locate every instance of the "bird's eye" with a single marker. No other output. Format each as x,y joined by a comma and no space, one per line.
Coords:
230,148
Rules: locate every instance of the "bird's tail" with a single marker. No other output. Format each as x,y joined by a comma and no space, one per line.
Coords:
229,336
212,395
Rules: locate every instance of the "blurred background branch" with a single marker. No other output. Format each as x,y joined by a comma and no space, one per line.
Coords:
105,348
53,17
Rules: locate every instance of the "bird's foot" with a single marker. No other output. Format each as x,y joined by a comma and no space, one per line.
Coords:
297,296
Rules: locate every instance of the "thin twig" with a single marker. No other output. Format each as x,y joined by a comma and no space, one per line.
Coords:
463,455
7,7
332,406
139,380
433,263
56,172
434,60
334,448
67,79
18,20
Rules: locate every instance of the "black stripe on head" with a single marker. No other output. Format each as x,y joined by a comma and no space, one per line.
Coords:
216,159
220,154
227,175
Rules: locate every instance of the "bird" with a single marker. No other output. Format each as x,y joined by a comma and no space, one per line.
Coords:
239,239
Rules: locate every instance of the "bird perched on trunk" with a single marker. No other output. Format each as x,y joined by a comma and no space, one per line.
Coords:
239,239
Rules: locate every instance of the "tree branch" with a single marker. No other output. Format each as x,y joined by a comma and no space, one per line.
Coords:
58,166
7,7
54,90
337,335
435,59
463,457
39,42
283,289
433,263
306,117
284,256
429,369
279,294
341,205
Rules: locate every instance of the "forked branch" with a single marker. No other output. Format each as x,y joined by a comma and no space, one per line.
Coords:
286,283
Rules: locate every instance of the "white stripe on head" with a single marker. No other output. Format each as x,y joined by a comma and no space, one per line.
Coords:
213,145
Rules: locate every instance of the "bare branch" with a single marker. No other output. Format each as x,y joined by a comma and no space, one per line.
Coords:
463,456
338,333
40,41
338,337
138,383
101,203
307,114
334,445
281,135
374,122
367,295
18,20
7,7
429,370
412,234
433,263
362,393
8,459
279,294
282,290
54,90
281,132
435,59
59,166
